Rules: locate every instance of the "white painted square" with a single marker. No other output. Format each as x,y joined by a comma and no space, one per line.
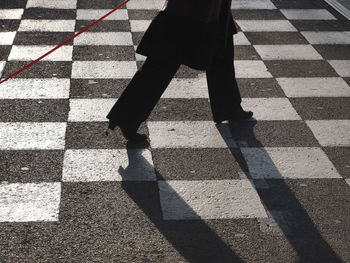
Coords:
32,135
327,37
30,53
347,181
270,108
139,57
47,25
252,4
11,13
240,39
35,89
314,87
251,69
139,25
103,69
288,162
195,88
2,66
190,134
331,132
265,25
108,165
89,109
104,39
57,4
145,4
95,14
29,202
287,52
307,14
342,67
209,199
6,38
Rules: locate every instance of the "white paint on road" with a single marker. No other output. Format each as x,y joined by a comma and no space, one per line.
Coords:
287,52
347,181
32,135
331,132
104,39
139,25
240,39
103,69
271,108
145,4
327,37
95,14
209,199
57,4
251,69
187,88
11,13
108,165
288,162
29,202
35,89
30,53
342,67
89,109
6,38
47,25
314,87
266,25
307,14
252,4
194,134
2,66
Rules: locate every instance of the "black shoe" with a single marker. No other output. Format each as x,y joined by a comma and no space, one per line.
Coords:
129,131
237,116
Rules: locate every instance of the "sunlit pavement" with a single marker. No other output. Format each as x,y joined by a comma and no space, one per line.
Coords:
273,189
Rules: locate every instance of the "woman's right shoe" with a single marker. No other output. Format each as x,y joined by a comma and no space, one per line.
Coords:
129,131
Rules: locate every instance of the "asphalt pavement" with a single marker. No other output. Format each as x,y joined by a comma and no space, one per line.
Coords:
272,189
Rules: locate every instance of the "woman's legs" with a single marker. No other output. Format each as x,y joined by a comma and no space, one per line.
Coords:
143,92
224,95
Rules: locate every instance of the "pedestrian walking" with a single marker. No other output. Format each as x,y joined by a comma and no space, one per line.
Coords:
195,33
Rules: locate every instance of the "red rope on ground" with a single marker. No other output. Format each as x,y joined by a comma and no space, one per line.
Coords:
63,43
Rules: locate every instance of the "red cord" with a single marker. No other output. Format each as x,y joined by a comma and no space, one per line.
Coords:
63,43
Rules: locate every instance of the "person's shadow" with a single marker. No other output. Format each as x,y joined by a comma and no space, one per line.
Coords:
194,240
287,217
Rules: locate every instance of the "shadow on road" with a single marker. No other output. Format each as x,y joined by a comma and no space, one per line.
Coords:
193,239
197,242
281,204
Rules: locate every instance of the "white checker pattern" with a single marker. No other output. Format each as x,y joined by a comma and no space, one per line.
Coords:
27,136
108,165
35,89
58,4
204,199
47,25
29,202
183,200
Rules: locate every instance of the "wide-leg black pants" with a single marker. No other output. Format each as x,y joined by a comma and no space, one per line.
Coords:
148,84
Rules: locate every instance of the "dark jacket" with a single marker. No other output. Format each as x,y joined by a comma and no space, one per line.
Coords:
190,32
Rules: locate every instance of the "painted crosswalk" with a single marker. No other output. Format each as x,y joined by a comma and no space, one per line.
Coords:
292,67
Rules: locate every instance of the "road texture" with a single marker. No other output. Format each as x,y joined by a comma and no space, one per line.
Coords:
273,189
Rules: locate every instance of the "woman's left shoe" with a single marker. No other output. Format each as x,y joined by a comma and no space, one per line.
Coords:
129,131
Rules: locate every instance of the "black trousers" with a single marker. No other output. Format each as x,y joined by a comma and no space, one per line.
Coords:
148,84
